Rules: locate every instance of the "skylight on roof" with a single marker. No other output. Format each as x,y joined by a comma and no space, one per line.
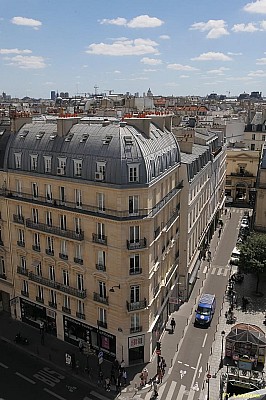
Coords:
52,137
107,139
128,140
85,136
69,137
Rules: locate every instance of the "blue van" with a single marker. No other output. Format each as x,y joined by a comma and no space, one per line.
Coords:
205,310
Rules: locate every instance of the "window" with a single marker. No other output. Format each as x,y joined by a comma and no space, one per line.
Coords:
78,198
152,168
101,202
67,302
23,264
47,164
64,247
19,212
80,282
34,187
133,173
80,307
62,195
134,234
65,277
2,267
48,193
77,167
36,240
25,287
100,171
78,253
134,264
100,230
102,315
33,162
63,222
134,294
135,321
50,245
17,160
19,188
49,219
40,293
101,258
52,297
253,136
252,146
21,238
35,216
77,222
61,169
263,138
102,290
52,273
38,269
133,204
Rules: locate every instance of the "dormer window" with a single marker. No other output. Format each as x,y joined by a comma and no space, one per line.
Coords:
133,173
61,169
17,160
47,164
100,171
33,162
77,167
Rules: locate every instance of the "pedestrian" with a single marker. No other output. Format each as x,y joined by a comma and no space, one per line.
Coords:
155,388
145,376
172,323
124,376
163,366
118,386
41,327
219,233
107,384
159,375
123,364
80,345
230,215
100,378
141,379
225,211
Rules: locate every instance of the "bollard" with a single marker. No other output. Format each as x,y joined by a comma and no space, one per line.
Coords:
211,351
177,347
171,363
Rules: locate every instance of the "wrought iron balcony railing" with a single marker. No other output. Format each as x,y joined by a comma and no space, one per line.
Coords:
78,260
100,299
20,243
66,310
54,230
80,315
101,267
102,239
135,271
22,271
137,305
19,219
136,245
102,324
136,329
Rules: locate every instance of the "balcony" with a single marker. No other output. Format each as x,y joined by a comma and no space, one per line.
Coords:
2,276
80,315
100,299
22,271
136,329
63,256
166,199
243,174
135,271
66,310
78,260
58,286
137,305
19,219
20,243
54,230
25,294
102,239
40,299
101,267
49,252
136,245
102,324
36,247
52,304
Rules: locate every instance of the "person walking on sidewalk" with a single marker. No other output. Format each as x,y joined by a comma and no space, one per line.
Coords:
172,323
155,388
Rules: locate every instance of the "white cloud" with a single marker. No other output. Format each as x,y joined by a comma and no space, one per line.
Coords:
15,51
135,47
234,54
259,73
150,70
164,37
238,78
180,67
263,25
117,72
250,27
215,28
116,21
33,23
184,76
26,62
261,61
142,21
256,7
212,56
151,61
218,71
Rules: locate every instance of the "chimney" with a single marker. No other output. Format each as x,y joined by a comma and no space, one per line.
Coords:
18,120
65,124
185,138
141,124
158,120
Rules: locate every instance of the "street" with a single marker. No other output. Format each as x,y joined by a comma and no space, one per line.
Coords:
26,377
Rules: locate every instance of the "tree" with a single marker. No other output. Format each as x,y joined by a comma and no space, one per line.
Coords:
252,257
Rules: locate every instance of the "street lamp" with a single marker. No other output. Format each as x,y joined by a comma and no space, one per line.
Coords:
112,288
222,351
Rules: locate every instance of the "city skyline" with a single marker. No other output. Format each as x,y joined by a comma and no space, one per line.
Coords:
180,49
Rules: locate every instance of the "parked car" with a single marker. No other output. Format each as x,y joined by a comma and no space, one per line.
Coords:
234,259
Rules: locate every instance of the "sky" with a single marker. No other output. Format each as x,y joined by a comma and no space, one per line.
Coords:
173,47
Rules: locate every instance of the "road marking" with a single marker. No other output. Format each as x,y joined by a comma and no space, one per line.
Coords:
187,365
200,371
26,378
181,392
219,271
182,373
192,392
204,340
54,394
99,396
195,387
213,271
3,365
225,272
171,390
179,362
205,269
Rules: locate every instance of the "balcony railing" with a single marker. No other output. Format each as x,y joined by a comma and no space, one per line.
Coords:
138,305
173,217
100,299
19,219
54,230
135,271
52,304
136,329
78,260
102,324
140,244
102,239
20,243
66,310
80,315
49,252
100,267
36,247
58,286
2,276
22,271
39,299
165,200
244,174
25,294
63,256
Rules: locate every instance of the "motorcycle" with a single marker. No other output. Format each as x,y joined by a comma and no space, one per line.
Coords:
237,277
21,339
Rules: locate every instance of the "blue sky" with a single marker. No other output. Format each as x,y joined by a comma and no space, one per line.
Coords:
174,47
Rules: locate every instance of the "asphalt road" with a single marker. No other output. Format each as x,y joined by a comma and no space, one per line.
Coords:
189,370
23,376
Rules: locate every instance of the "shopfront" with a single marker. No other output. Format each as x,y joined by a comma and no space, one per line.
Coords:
136,349
33,314
159,325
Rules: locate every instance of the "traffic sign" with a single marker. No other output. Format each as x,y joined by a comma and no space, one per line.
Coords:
158,352
100,354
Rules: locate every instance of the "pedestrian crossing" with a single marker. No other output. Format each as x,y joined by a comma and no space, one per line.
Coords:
170,390
216,270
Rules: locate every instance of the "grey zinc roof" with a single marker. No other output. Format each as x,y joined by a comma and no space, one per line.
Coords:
117,154
196,160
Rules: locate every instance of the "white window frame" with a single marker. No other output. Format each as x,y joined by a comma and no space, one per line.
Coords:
133,172
133,202
48,193
78,198
52,273
47,164
101,168
63,247
18,157
102,315
19,187
77,167
101,202
65,275
33,162
80,282
62,165
35,191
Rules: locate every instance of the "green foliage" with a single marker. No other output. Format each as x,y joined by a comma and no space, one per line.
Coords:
253,255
